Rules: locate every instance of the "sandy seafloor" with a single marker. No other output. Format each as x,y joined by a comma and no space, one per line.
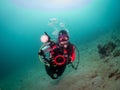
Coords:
92,74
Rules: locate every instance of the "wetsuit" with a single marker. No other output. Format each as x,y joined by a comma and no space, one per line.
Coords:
54,71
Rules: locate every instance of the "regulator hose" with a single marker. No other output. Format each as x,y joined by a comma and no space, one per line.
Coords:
78,61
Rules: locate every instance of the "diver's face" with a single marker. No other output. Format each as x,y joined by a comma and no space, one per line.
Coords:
63,38
63,42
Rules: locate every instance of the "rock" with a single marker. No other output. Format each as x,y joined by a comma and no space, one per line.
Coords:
97,81
106,49
117,76
116,53
113,73
101,51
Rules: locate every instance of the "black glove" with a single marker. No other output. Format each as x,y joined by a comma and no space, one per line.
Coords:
41,53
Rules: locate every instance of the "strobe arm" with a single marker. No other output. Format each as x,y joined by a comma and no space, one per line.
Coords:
48,36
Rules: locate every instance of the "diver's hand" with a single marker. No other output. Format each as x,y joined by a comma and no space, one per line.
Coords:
41,53
46,63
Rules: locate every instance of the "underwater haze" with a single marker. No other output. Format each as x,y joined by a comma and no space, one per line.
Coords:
22,22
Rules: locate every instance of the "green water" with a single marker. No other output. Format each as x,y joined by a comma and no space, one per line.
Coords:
22,24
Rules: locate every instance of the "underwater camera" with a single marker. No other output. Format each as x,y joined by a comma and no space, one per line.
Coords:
51,47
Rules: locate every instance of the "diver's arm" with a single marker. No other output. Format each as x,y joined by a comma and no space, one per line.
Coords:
73,54
45,60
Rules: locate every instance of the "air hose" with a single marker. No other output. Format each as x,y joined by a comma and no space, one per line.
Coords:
78,54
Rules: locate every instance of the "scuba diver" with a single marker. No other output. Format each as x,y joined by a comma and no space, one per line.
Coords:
56,55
